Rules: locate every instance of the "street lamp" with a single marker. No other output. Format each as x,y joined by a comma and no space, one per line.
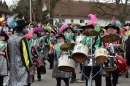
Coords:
30,10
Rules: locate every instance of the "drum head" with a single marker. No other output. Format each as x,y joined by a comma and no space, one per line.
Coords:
79,57
109,69
66,68
101,59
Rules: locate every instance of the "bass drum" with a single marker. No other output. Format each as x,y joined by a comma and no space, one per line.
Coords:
121,64
80,53
110,64
101,55
66,64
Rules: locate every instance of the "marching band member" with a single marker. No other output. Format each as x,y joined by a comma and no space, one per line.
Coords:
42,48
127,28
96,43
70,37
59,75
3,61
50,41
128,51
19,56
113,29
34,42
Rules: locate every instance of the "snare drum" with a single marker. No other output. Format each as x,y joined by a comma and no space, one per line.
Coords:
101,55
37,62
121,64
66,64
80,53
110,64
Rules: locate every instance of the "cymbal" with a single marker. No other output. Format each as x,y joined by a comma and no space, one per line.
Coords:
67,46
91,33
110,38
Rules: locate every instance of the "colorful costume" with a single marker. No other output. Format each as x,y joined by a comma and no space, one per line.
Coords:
20,59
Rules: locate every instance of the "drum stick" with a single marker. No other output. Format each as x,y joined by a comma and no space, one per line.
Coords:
111,46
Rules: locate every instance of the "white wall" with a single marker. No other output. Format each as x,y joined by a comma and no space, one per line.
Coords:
101,22
3,15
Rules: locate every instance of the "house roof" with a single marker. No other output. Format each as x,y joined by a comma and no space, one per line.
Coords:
4,10
79,9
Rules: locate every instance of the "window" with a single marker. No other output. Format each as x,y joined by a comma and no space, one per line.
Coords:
81,21
72,20
62,20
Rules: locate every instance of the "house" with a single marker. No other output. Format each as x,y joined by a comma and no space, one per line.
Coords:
4,13
77,12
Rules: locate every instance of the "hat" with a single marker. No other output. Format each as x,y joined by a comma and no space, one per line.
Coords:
87,26
69,28
40,30
1,20
92,22
53,32
128,24
60,35
35,32
64,30
5,35
21,23
114,26
102,30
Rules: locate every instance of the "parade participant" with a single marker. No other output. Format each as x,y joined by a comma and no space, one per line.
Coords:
114,75
101,33
128,51
59,75
3,61
87,41
35,45
50,41
42,49
19,56
1,21
69,36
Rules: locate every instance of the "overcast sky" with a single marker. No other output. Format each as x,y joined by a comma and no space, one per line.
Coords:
10,2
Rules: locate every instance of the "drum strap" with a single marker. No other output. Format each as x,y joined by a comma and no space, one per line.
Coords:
57,48
70,37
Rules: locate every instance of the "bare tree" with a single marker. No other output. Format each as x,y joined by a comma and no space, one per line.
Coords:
53,4
118,8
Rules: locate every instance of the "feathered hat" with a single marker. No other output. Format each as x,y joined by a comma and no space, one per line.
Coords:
12,23
115,25
92,23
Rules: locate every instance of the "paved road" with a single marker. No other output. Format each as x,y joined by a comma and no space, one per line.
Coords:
47,80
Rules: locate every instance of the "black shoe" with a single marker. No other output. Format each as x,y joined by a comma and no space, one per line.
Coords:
51,68
113,84
72,80
58,85
39,79
67,84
